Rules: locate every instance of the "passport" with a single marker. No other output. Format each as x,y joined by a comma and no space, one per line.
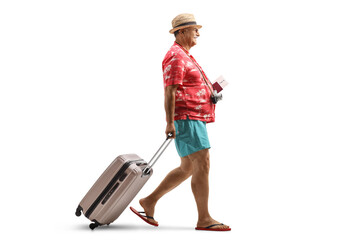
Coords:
219,84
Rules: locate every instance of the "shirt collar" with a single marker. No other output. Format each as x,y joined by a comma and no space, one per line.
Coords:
186,51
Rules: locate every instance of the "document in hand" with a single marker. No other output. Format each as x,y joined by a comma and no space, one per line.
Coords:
219,84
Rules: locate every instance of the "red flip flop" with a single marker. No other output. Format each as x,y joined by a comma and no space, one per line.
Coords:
143,217
209,228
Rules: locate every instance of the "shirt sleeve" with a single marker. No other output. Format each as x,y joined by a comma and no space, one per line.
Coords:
173,71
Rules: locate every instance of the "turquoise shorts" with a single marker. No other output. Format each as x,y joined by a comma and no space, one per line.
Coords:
191,136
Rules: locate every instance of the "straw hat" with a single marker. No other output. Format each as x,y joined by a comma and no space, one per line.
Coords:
182,21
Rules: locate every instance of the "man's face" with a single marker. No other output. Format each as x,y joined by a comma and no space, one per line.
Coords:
191,35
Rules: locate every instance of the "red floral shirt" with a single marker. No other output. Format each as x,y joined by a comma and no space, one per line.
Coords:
192,98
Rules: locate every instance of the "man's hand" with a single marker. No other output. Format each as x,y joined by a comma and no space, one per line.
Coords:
170,128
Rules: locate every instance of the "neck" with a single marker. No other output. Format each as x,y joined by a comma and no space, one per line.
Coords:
183,44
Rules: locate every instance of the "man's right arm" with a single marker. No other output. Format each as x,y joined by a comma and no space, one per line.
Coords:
170,92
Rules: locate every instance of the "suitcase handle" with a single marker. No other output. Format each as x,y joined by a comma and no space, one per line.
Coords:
158,154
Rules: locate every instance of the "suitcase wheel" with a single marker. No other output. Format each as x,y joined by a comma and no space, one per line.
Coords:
92,226
78,211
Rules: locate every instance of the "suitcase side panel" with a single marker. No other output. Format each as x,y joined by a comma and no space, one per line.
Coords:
124,193
98,186
91,199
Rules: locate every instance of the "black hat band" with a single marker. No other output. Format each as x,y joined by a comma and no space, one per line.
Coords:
186,24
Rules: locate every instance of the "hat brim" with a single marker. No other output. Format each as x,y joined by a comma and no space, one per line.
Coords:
182,27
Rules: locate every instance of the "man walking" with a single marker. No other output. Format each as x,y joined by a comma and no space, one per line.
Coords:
189,108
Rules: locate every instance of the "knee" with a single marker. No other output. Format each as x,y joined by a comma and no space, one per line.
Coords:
203,164
187,169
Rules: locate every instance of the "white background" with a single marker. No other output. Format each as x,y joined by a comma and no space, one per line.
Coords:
81,83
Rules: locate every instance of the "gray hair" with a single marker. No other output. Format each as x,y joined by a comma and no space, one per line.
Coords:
176,33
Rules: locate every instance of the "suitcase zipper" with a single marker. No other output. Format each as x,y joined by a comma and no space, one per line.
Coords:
109,187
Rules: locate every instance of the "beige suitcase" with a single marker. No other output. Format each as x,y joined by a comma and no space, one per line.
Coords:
117,187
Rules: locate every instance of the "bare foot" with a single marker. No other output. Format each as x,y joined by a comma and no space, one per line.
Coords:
149,209
208,222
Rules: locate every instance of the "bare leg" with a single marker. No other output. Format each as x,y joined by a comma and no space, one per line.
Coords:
172,180
200,187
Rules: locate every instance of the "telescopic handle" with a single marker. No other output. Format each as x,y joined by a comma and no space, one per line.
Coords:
158,154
